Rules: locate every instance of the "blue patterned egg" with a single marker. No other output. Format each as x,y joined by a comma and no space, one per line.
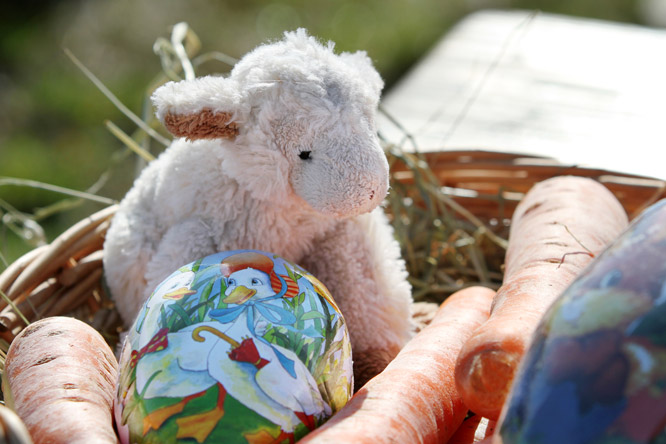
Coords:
595,371
237,347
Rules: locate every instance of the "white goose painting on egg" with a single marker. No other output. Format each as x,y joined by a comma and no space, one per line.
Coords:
241,346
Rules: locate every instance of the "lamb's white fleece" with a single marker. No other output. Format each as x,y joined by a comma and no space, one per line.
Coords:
303,179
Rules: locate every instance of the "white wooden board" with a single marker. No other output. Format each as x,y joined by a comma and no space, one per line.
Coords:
584,92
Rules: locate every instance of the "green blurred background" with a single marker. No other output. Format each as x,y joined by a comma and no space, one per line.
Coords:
52,117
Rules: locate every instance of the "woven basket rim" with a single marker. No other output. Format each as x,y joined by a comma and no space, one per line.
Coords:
58,278
66,276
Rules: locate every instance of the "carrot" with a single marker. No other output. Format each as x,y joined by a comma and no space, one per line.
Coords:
556,229
473,430
414,400
60,376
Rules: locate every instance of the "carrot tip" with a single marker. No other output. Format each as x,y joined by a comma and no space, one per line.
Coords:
486,380
492,371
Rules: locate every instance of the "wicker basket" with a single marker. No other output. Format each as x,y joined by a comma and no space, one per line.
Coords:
65,277
490,184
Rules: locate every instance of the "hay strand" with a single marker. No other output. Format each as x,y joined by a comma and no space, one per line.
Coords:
109,95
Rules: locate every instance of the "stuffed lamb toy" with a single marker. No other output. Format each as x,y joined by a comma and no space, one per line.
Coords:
281,156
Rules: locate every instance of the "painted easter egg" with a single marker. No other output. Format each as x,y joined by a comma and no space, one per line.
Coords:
596,368
238,347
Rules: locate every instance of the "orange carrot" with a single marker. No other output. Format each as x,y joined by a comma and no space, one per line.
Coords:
556,230
473,430
60,376
414,400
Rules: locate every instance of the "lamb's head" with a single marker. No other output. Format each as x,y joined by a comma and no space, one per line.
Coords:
304,112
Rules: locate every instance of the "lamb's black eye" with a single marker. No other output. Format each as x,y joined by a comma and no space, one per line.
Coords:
305,155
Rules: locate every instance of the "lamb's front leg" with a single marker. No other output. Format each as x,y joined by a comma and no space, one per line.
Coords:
185,242
359,262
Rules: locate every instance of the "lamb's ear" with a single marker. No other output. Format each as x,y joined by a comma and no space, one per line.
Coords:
203,108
